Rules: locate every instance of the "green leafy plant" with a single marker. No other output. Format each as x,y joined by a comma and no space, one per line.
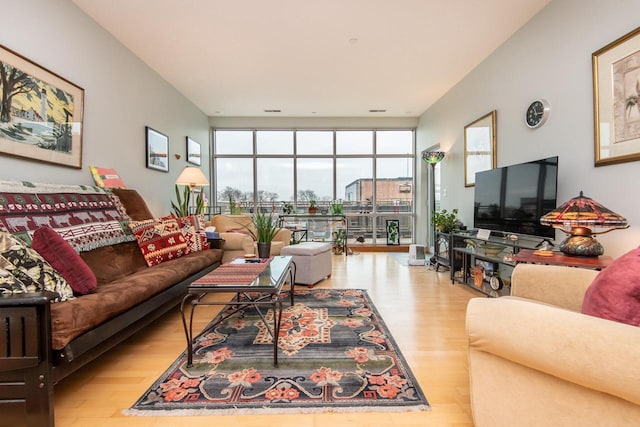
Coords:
287,208
266,227
445,221
338,237
181,207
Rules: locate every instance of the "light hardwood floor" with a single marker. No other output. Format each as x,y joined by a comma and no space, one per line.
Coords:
423,311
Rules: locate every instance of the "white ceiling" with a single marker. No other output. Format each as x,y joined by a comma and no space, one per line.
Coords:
330,58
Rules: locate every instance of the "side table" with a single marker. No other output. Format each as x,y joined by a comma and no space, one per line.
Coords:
215,242
558,258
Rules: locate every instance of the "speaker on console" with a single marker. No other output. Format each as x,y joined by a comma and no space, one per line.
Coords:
416,255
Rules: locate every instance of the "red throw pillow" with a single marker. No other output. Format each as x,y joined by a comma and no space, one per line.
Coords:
63,258
615,292
159,239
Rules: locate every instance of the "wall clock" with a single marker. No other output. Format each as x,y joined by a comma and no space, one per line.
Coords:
537,113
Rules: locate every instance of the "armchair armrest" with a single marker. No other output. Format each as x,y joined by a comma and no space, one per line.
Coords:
556,285
594,353
283,235
237,242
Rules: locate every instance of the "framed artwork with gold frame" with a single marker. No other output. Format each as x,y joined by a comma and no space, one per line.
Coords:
41,113
616,100
479,147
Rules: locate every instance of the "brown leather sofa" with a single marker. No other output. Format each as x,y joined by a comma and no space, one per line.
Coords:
48,342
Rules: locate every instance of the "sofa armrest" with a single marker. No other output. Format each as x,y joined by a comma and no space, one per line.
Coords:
594,353
556,285
237,242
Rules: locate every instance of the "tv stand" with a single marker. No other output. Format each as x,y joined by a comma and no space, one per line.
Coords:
484,259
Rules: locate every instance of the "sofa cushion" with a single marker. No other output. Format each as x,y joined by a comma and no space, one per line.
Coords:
59,253
34,274
133,203
615,292
159,239
192,227
114,262
71,319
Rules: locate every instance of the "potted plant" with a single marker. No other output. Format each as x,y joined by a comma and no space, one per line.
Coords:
444,221
181,207
287,208
338,237
312,207
265,228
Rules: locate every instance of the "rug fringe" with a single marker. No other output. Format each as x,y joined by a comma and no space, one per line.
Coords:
271,411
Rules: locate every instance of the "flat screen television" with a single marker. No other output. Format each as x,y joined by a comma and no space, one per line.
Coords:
513,198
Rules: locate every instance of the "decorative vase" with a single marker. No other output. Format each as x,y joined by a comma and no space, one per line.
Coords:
264,250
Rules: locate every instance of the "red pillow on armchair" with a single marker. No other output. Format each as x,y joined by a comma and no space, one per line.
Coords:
615,292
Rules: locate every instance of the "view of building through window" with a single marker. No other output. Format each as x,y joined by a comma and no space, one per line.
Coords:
371,172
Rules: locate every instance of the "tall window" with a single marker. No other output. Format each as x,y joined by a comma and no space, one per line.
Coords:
371,171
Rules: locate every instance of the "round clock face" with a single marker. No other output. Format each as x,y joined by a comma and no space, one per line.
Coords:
537,113
496,283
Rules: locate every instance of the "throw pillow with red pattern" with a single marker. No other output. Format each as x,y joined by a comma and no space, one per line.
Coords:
159,240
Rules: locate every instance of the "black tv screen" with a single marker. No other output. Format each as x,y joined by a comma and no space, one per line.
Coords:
513,198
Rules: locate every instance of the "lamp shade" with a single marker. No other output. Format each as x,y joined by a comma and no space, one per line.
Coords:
192,177
579,217
432,157
582,211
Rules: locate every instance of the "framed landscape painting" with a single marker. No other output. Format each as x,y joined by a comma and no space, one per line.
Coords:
193,151
41,113
157,150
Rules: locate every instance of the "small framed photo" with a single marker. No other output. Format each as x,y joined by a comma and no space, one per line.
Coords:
393,232
193,152
157,150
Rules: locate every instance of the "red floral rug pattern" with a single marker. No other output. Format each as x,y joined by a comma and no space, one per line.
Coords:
336,354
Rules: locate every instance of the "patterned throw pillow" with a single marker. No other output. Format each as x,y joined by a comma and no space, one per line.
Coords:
159,239
192,227
59,253
32,272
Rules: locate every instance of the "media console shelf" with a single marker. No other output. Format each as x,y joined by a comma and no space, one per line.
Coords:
487,263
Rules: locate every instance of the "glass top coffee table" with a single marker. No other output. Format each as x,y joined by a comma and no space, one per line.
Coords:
255,285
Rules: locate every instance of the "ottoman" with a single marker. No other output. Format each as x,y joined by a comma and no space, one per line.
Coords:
312,259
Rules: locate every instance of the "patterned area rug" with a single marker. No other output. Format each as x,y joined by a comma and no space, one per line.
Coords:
335,355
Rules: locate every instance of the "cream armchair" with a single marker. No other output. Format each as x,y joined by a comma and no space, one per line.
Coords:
237,240
535,360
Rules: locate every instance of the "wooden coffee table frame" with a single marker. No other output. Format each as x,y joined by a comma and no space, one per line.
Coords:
268,284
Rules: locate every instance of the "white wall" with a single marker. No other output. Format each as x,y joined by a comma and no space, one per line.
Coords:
550,57
122,96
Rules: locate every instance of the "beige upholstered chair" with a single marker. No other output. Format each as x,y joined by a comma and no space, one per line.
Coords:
536,360
237,239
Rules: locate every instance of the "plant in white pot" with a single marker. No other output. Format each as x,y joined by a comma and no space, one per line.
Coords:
265,227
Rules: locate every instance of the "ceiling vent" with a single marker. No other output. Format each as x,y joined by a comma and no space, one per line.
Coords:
377,111
273,111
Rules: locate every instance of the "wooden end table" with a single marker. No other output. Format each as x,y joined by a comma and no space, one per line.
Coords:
558,258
